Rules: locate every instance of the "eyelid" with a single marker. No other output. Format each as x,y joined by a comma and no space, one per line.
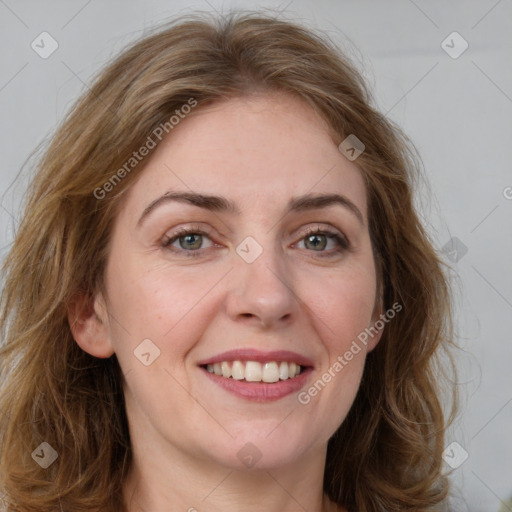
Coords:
197,227
187,229
322,227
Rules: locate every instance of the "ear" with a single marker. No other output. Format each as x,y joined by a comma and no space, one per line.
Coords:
88,320
376,329
377,325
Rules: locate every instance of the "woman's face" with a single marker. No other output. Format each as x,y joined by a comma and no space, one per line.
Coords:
249,283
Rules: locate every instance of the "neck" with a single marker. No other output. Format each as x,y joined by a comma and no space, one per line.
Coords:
182,483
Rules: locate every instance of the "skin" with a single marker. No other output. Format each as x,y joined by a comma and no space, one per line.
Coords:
258,151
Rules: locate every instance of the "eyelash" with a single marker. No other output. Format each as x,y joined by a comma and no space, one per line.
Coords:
343,243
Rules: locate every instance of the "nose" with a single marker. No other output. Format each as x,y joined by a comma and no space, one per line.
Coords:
262,292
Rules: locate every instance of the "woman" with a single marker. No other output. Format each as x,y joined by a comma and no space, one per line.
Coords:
220,296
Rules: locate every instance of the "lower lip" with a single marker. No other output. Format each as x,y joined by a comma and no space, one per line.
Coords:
261,391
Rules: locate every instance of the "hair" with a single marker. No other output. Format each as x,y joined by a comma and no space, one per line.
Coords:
387,453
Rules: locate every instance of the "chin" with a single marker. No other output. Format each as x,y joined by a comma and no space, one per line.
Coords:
251,450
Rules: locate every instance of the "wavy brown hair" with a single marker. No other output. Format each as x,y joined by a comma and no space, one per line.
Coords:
386,455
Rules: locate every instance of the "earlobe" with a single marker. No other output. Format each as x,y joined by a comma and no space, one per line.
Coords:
374,339
88,321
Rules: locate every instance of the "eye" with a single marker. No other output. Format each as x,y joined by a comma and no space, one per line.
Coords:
318,239
190,241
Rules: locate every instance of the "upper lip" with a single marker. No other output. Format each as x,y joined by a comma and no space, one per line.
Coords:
249,354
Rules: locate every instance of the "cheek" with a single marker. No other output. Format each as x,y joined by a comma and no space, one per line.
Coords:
156,302
343,305
341,310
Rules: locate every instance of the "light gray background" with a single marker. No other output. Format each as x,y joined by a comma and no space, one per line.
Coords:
457,111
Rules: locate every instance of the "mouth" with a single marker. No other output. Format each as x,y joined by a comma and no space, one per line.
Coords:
258,376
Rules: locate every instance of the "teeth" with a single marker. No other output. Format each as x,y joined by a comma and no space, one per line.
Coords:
270,372
253,371
283,371
226,370
238,370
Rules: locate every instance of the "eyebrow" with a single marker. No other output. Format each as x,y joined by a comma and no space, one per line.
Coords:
225,205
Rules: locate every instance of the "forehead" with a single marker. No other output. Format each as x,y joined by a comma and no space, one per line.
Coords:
265,147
